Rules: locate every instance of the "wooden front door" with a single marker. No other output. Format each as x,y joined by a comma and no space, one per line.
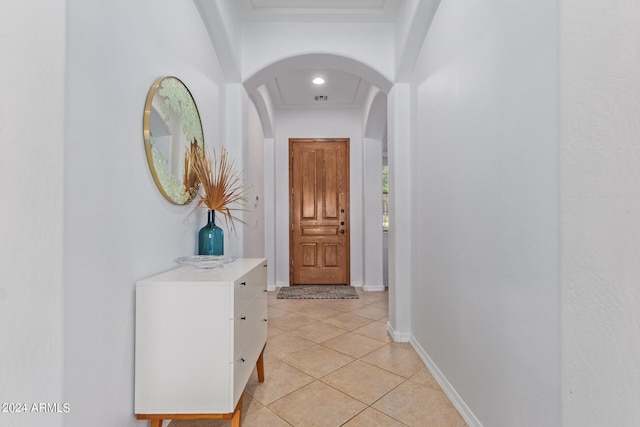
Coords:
319,210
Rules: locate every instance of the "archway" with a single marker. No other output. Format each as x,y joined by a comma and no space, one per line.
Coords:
256,85
372,138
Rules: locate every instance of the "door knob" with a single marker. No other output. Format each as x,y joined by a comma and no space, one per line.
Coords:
341,222
341,231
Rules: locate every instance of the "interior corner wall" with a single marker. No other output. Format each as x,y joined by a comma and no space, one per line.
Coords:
600,116
372,248
118,228
485,308
317,123
32,42
401,230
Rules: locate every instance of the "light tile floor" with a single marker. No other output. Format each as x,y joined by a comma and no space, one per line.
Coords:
331,363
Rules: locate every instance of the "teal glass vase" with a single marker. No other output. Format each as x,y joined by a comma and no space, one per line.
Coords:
211,237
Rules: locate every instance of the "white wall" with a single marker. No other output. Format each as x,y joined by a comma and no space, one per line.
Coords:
372,247
412,23
253,171
269,203
600,154
317,123
223,24
266,43
375,131
234,140
485,267
32,42
401,231
118,228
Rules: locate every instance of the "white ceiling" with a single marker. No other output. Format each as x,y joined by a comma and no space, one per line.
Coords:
293,88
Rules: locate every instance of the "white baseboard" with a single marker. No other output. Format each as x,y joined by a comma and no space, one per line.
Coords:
272,287
454,397
398,336
277,286
373,288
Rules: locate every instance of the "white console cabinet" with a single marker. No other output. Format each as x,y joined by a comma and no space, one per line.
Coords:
199,334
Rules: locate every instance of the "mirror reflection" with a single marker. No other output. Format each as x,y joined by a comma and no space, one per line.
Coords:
171,127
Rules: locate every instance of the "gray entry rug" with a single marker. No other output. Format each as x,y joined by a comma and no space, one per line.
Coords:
318,292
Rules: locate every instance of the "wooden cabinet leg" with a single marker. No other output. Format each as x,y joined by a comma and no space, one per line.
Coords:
260,366
237,414
155,423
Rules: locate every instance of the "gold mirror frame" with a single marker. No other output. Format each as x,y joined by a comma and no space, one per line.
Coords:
171,127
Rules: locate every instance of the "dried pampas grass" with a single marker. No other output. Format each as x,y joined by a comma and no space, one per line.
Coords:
222,189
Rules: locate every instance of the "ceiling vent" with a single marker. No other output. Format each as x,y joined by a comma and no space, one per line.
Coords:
321,97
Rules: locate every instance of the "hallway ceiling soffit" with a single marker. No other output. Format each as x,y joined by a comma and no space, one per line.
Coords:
318,10
293,89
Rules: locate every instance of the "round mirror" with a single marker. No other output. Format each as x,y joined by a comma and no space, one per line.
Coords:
172,127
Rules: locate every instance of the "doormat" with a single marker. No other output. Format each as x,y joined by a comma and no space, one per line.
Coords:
318,292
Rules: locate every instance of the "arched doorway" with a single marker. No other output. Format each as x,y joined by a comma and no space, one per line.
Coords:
281,123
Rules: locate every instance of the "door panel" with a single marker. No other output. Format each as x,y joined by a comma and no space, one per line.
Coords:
319,208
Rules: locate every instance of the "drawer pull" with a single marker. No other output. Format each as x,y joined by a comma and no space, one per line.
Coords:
243,283
242,359
264,320
243,318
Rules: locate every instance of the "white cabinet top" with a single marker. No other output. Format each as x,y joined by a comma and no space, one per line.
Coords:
224,273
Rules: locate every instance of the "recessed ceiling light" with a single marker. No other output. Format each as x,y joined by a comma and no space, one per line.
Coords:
318,81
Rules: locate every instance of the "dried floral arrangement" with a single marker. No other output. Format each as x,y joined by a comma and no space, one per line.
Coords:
222,189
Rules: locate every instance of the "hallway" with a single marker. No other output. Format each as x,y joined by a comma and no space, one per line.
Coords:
331,363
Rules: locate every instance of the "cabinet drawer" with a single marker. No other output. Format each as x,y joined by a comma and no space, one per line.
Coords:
246,360
247,321
249,285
